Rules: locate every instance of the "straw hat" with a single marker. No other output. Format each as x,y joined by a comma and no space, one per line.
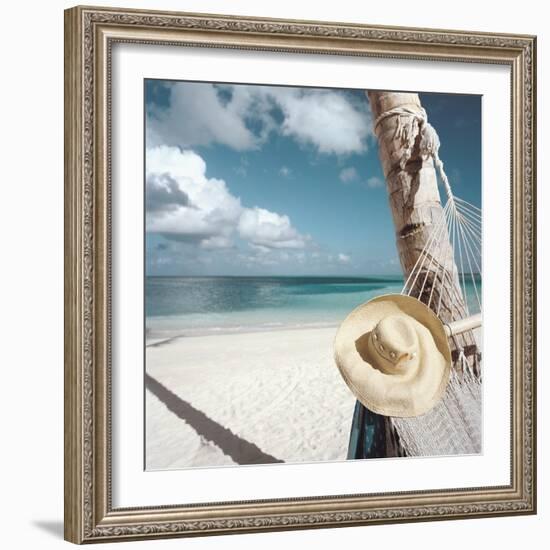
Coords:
394,355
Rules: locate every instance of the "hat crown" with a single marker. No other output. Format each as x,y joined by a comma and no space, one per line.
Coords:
384,384
395,340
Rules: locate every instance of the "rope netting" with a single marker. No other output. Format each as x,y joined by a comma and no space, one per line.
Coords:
446,276
459,227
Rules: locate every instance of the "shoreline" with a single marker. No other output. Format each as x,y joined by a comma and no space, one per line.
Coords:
156,338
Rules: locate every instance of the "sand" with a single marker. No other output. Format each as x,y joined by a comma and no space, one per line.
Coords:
245,398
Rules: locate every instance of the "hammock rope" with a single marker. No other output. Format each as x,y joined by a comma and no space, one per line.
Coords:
451,249
448,261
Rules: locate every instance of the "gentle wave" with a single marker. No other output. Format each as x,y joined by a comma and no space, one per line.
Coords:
184,306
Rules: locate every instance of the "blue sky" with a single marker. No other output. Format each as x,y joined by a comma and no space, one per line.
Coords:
268,180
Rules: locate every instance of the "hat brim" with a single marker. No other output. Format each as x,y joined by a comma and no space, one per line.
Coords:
390,394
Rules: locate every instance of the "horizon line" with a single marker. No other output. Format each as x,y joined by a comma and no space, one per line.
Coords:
294,276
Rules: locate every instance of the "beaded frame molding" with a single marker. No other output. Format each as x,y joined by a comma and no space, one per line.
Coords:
89,36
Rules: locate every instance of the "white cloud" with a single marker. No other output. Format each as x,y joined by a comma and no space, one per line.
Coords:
198,116
210,215
269,229
344,258
285,171
374,182
325,119
348,175
282,259
216,242
330,121
163,193
215,210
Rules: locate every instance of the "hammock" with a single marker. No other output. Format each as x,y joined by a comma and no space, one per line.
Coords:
447,271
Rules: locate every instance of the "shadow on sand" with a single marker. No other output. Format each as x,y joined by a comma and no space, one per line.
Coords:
240,450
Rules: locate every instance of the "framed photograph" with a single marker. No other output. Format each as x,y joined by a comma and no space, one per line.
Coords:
300,274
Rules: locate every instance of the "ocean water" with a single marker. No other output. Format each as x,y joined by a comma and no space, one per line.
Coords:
176,306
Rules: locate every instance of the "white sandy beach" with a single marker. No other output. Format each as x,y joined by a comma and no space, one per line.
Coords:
239,398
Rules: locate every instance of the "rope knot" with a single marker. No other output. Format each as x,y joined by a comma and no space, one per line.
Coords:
429,140
409,125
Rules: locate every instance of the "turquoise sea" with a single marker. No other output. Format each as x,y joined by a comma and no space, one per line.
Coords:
176,306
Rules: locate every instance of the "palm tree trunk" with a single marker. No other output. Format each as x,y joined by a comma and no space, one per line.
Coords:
453,426
417,212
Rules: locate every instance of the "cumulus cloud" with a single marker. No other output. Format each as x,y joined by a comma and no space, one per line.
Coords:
197,115
242,117
324,119
344,258
189,207
163,194
216,242
269,230
285,171
375,182
215,210
348,175
262,260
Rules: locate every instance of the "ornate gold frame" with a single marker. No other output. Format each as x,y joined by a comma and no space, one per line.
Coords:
89,35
